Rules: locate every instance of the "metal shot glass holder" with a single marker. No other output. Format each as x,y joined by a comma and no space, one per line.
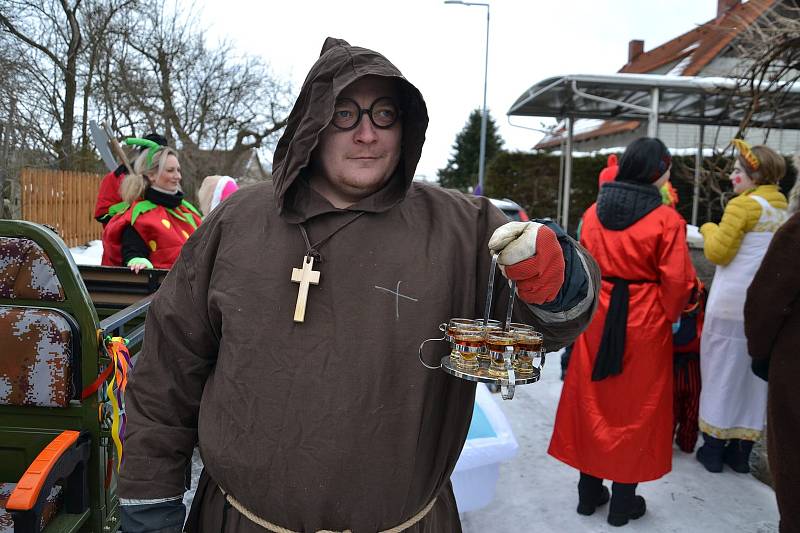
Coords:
511,377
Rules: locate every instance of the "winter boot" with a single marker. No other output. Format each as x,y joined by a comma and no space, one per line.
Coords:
591,494
625,504
737,455
710,453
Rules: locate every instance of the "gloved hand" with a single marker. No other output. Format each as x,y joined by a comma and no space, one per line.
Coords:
139,263
531,256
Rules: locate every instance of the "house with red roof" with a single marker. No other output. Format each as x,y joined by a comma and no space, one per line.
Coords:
708,50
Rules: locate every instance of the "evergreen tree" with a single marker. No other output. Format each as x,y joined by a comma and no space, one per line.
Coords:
461,171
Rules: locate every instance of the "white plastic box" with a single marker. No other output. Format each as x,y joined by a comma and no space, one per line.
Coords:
489,443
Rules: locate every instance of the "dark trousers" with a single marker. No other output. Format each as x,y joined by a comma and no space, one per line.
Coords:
686,400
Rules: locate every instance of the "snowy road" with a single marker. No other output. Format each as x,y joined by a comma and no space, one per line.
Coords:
542,492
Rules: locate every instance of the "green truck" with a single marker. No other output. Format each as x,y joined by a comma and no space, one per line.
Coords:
58,464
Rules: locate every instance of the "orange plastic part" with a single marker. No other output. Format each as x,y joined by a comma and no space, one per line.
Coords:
25,494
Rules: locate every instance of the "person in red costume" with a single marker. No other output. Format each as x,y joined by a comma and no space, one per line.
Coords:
614,419
109,202
151,230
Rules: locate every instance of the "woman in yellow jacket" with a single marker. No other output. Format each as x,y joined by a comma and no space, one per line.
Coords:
733,400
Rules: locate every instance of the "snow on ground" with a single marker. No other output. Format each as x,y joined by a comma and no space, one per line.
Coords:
89,254
538,494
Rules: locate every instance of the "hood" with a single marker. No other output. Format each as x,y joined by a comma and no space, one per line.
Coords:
338,66
620,204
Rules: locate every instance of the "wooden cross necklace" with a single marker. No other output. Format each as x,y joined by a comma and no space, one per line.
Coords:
306,275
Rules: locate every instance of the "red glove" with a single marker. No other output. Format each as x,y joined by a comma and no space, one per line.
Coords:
531,256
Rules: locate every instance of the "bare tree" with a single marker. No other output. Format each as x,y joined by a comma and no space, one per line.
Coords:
52,37
770,50
165,76
768,53
58,41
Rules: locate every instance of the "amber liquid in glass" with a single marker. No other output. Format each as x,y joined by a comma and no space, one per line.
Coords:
468,339
497,346
526,347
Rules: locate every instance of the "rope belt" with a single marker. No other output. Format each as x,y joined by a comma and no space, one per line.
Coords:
269,526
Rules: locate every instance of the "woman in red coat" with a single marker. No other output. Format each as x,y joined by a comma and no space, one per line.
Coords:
153,228
614,418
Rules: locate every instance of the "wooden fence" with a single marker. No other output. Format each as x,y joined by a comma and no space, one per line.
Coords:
64,200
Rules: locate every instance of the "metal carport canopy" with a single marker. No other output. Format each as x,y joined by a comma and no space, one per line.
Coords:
653,98
682,100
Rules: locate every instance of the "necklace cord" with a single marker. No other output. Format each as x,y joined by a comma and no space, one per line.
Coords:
312,250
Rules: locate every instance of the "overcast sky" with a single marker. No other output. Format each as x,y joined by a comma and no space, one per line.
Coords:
440,48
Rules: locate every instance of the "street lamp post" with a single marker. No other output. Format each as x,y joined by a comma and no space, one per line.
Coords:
482,157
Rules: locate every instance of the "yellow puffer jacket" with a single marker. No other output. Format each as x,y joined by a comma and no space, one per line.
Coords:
741,215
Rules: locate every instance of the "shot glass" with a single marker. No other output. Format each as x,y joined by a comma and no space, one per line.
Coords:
527,346
519,326
468,342
484,361
498,345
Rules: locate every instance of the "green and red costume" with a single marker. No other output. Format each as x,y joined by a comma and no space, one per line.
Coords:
163,229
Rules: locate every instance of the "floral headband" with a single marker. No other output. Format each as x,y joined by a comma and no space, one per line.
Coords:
747,153
152,147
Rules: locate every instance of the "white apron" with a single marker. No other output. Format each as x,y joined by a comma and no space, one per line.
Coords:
733,400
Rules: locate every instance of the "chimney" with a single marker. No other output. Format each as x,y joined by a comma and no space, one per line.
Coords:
723,6
636,48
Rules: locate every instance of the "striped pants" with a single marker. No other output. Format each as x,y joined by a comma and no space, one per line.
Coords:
686,400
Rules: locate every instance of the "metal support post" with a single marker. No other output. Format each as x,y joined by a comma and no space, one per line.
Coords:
560,196
698,165
482,162
652,122
567,175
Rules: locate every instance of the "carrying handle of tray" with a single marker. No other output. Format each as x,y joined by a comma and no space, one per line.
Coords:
507,385
443,329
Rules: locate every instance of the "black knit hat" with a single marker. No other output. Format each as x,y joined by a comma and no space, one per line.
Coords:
156,138
644,161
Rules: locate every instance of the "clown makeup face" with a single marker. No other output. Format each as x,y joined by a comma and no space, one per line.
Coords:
741,181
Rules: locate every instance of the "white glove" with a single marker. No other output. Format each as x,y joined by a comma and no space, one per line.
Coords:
515,241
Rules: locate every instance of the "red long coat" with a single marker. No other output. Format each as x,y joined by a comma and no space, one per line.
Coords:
620,428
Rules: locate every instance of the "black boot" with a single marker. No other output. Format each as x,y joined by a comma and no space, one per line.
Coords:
737,455
710,453
625,504
591,494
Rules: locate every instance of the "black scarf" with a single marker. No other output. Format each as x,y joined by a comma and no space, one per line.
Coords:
612,345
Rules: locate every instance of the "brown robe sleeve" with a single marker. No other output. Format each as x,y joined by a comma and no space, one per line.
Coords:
163,396
775,289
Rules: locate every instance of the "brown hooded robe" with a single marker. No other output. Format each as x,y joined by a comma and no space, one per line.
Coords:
772,326
332,423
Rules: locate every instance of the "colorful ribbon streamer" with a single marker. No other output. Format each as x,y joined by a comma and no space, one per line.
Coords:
121,362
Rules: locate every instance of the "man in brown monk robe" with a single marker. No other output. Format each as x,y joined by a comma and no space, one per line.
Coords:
284,340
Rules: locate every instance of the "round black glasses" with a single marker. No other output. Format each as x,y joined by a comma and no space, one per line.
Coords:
383,113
